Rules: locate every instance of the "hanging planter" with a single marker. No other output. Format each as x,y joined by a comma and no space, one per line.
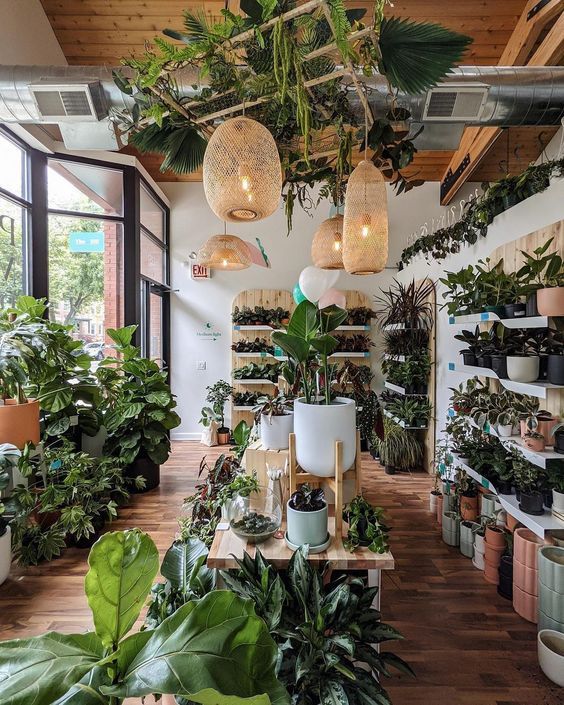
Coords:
226,252
365,227
327,245
241,172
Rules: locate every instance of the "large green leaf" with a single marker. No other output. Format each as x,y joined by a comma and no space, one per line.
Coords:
184,563
122,336
39,670
87,690
213,651
325,344
332,317
416,55
123,565
304,322
297,348
55,396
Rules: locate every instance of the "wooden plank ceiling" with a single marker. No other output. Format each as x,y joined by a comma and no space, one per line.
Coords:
101,32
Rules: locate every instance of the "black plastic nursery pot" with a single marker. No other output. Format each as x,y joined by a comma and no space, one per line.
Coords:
517,310
499,310
547,498
504,486
531,305
484,361
363,445
505,585
389,470
556,369
543,367
531,503
559,441
469,358
149,470
499,365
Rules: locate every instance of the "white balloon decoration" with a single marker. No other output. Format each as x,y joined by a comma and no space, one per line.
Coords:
314,282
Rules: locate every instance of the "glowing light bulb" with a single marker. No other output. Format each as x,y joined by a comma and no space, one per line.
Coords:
224,263
366,223
245,181
337,242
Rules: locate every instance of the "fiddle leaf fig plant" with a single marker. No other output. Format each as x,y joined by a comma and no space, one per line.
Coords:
214,650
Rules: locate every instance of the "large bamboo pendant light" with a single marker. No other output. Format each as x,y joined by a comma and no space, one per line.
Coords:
327,245
224,252
365,226
241,171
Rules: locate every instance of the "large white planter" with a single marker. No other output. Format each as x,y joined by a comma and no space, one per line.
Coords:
275,431
317,428
5,554
551,655
523,369
558,502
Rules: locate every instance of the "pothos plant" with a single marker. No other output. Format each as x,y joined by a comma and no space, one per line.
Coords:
367,526
110,664
286,82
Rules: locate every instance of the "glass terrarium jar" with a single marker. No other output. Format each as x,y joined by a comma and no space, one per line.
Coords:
256,516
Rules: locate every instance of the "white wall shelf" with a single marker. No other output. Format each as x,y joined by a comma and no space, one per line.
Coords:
402,423
401,390
254,328
487,316
260,354
350,354
353,328
534,389
537,524
253,381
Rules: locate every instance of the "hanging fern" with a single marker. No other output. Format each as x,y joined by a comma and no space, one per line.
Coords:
416,55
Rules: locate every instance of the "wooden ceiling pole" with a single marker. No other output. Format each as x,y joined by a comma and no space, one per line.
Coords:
476,141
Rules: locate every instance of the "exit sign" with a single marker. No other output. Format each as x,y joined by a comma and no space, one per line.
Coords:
199,271
86,242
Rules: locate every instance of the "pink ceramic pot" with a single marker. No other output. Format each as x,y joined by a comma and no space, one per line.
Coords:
495,537
491,573
550,302
545,427
492,554
525,547
525,605
524,578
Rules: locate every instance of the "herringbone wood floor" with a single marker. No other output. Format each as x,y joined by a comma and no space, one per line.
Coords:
465,642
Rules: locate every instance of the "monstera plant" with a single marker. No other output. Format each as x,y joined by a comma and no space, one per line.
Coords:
214,650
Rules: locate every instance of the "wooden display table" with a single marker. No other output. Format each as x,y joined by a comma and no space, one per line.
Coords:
226,546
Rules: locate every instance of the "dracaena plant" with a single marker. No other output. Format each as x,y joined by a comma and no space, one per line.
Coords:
308,336
327,633
221,633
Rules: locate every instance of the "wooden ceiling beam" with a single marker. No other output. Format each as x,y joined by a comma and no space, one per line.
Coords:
477,141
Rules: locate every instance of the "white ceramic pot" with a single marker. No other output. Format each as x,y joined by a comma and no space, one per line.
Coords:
5,554
306,527
433,503
275,431
505,431
478,560
523,369
479,543
558,502
551,655
318,427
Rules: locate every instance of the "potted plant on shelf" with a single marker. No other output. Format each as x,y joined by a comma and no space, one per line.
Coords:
471,341
555,363
366,526
307,339
522,365
556,483
217,396
543,278
467,497
306,518
526,477
140,410
274,414
558,435
399,449
505,423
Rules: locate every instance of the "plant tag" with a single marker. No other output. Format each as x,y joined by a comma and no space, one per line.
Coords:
485,483
73,420
222,526
451,366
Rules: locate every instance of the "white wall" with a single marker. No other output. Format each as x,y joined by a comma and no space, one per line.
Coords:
195,304
26,37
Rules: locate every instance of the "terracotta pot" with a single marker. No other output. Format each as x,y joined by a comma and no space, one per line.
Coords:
493,554
525,578
495,538
545,427
19,423
526,546
469,508
223,438
512,523
537,445
550,302
491,573
524,604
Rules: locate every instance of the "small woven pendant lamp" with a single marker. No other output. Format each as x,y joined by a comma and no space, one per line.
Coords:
365,226
327,245
241,171
227,252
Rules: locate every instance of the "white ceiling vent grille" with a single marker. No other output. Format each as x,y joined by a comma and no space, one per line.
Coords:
65,103
450,103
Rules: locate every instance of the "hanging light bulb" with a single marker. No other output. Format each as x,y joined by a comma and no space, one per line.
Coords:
226,252
241,172
326,248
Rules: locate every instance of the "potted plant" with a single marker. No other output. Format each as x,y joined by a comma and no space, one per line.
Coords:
355,381
556,482
366,526
399,449
9,458
550,298
532,439
505,423
527,480
217,396
274,414
451,528
307,339
471,341
558,434
306,518
140,410
522,366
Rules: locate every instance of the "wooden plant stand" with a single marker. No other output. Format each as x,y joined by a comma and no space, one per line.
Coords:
297,477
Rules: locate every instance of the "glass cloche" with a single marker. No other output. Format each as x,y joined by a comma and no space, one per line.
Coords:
256,516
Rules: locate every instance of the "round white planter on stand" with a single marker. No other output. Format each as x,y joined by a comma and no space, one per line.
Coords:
5,554
317,428
275,431
523,369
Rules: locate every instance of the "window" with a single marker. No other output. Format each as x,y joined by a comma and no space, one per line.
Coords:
13,173
152,215
81,188
152,259
13,220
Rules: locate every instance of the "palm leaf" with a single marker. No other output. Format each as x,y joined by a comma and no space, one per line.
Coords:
182,147
416,55
196,26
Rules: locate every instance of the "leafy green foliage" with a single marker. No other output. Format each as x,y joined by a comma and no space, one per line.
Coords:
183,147
416,55
366,526
325,632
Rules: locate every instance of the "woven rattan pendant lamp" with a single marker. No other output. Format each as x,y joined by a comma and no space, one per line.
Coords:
241,171
326,248
365,226
226,252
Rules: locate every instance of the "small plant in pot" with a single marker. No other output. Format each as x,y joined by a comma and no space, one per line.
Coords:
505,423
556,483
527,481
306,518
543,276
254,513
558,435
217,396
471,341
274,414
532,439
399,449
366,526
522,364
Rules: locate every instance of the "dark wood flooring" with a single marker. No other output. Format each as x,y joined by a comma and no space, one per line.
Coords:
466,643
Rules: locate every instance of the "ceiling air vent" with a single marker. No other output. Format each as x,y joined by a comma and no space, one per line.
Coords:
80,102
451,104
